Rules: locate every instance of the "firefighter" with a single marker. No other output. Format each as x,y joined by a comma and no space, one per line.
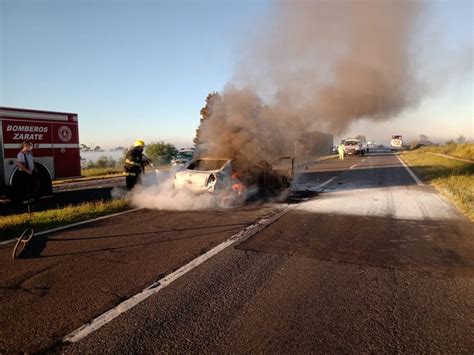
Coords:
135,163
341,150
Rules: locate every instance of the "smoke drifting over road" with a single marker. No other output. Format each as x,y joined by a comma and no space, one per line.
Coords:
313,66
316,65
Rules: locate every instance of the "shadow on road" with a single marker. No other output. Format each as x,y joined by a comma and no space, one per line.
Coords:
441,246
38,243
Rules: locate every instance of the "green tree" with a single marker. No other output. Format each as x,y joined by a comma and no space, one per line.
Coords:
105,162
160,152
102,162
206,112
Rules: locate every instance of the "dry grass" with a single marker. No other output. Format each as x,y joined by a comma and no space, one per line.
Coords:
454,179
464,151
101,171
11,226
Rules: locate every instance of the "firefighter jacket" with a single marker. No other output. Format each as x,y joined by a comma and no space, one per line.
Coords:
135,162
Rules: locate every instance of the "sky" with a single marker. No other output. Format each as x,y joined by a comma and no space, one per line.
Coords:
141,69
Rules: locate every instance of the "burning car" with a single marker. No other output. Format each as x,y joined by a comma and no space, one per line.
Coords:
233,179
205,175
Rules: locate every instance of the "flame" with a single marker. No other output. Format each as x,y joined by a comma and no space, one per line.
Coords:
239,188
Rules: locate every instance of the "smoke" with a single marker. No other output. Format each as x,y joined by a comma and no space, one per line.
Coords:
316,65
157,192
313,66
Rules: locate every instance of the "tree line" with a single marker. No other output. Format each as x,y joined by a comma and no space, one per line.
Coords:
159,153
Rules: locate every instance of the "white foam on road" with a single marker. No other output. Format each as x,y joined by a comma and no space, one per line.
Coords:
401,202
310,186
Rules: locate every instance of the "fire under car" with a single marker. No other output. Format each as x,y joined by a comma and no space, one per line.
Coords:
234,179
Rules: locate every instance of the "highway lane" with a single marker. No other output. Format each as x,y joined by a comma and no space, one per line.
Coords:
67,278
374,263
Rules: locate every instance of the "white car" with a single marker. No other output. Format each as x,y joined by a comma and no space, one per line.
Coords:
206,175
218,176
182,157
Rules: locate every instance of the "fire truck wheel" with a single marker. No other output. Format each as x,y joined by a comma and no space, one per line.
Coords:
45,186
17,190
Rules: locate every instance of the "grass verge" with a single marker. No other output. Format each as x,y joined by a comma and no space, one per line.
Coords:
104,173
101,171
88,178
464,151
454,179
12,226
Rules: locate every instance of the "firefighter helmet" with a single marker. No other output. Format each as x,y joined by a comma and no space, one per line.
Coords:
139,143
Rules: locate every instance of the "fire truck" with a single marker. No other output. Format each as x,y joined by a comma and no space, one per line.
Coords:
55,138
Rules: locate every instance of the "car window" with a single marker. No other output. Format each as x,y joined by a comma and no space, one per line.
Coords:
207,165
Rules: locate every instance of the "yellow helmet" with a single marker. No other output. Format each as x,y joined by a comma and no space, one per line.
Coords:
139,143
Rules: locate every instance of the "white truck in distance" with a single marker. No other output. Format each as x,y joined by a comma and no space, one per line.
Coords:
396,143
356,145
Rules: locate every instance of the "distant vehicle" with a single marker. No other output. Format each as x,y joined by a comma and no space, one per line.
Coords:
355,146
396,143
372,145
363,142
55,138
182,157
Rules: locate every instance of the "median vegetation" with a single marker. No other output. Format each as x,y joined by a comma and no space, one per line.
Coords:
12,226
453,178
103,166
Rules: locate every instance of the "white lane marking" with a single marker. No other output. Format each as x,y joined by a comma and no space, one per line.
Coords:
412,174
73,225
154,288
327,182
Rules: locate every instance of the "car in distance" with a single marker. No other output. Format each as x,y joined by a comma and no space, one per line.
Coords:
354,146
182,157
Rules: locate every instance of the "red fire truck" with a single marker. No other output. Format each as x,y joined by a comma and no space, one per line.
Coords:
56,145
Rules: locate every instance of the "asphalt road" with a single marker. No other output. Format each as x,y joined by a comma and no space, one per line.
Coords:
372,262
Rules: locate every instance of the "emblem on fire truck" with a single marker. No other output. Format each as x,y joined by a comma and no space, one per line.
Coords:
65,133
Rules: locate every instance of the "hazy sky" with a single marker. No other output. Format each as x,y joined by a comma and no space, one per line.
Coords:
141,69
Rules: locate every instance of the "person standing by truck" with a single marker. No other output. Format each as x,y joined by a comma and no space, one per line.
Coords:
341,150
135,163
28,176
